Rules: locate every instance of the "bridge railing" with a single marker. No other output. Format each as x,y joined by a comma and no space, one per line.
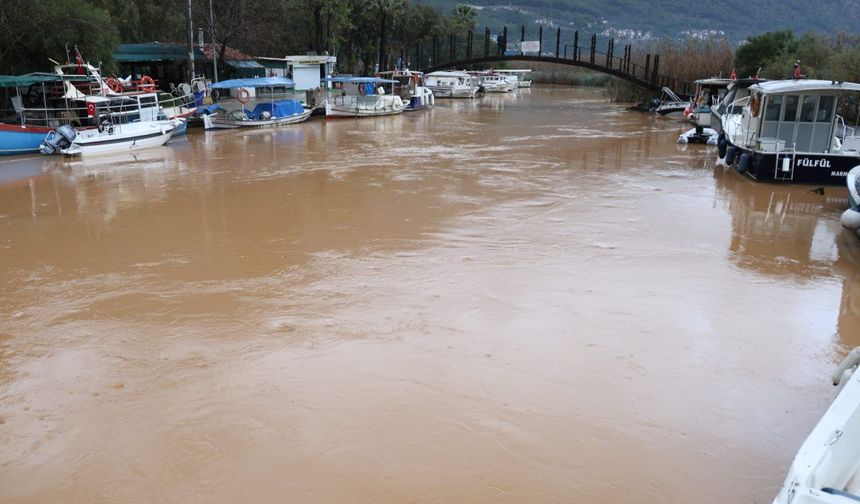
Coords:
594,53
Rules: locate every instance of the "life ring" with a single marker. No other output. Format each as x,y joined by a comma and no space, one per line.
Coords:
755,104
146,83
243,95
115,85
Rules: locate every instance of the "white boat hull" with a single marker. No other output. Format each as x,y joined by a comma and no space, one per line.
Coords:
364,110
121,138
453,92
211,122
826,469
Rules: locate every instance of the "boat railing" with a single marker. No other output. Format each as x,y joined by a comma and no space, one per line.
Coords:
364,101
842,130
47,117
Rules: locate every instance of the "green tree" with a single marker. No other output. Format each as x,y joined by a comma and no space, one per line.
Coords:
464,18
769,50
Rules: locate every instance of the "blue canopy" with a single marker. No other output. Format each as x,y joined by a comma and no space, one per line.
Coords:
359,80
254,83
278,108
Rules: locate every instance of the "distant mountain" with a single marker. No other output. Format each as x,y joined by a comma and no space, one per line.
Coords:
737,19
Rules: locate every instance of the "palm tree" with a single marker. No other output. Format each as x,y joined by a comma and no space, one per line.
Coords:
465,17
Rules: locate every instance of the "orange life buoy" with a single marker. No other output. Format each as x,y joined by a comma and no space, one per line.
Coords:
115,85
243,95
146,83
755,104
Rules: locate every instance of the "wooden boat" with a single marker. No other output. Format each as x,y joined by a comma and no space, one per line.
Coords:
362,97
789,131
826,469
265,114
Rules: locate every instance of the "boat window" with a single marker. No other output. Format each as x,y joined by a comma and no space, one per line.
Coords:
791,102
807,108
774,104
825,108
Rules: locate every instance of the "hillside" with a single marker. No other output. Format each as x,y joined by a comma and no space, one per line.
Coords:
737,19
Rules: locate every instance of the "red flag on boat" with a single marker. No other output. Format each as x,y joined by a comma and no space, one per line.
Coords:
734,74
79,61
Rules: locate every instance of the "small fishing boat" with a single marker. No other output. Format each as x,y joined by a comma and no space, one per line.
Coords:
265,114
451,84
362,97
411,89
826,469
671,104
118,130
789,131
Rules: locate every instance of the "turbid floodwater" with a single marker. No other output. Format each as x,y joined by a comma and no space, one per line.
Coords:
528,298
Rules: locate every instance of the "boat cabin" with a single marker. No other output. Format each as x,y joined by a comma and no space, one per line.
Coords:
796,114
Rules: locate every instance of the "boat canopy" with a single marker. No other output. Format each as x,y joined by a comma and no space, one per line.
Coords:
448,74
714,81
803,86
360,80
38,78
254,83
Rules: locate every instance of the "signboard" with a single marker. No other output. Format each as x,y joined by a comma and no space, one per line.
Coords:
530,46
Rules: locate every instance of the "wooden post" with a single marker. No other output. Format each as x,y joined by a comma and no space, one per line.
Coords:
469,36
576,45
593,48
557,41
647,75
540,40
504,48
523,33
656,68
487,42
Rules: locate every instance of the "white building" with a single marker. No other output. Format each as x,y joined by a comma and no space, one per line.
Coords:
306,70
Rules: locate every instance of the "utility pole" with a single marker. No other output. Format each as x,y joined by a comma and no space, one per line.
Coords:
190,45
212,37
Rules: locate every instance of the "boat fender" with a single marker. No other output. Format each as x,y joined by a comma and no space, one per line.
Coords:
744,162
755,104
730,155
243,95
712,140
721,148
682,139
721,137
850,220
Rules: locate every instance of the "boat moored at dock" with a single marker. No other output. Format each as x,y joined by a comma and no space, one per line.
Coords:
789,131
362,97
265,114
709,93
411,89
826,469
451,84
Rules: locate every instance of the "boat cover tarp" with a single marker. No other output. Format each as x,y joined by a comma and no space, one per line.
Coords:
278,108
37,78
208,109
360,80
254,83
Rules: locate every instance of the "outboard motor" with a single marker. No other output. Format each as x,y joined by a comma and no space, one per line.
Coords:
58,139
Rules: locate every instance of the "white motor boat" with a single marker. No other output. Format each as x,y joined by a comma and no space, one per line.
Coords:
495,83
519,76
135,123
709,93
826,469
451,84
362,97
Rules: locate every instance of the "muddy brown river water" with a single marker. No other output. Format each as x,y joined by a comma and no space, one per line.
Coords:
530,298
